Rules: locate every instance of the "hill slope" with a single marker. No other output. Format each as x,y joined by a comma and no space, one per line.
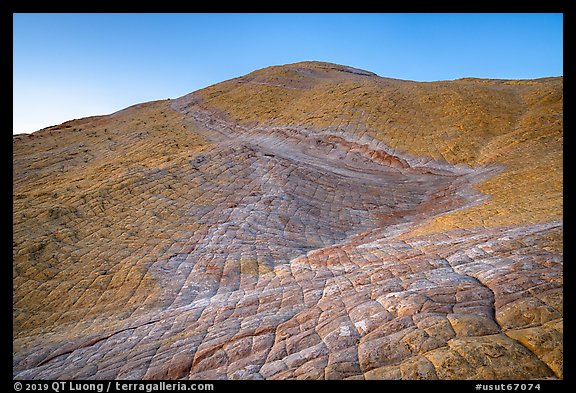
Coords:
309,220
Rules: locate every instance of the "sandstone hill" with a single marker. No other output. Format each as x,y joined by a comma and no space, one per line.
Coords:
309,220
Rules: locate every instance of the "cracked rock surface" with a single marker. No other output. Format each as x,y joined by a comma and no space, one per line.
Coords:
306,221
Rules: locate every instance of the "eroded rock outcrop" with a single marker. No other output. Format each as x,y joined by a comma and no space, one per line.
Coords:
303,221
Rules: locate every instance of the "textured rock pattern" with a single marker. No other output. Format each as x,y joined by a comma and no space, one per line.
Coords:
198,239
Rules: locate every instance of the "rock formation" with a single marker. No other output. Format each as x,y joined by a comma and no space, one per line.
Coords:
305,221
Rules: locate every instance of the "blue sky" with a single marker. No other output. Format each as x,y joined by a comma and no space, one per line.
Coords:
70,66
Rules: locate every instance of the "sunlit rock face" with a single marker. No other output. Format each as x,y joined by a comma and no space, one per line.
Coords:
305,221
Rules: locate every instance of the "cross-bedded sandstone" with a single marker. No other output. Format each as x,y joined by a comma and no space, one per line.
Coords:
305,221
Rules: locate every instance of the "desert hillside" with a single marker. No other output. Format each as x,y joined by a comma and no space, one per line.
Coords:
304,221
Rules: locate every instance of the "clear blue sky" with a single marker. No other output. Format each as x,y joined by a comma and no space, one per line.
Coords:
69,66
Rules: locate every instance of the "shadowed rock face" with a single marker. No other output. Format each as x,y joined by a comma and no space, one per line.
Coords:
281,225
